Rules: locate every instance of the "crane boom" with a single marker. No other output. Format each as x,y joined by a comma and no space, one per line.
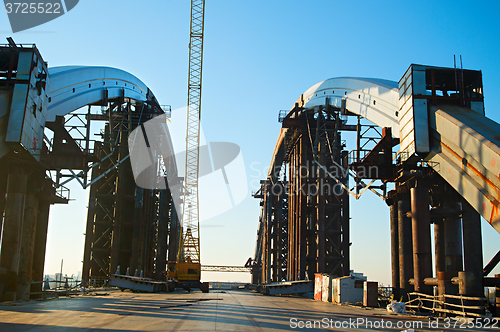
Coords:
189,265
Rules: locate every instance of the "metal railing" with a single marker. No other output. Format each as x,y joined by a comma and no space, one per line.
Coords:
439,304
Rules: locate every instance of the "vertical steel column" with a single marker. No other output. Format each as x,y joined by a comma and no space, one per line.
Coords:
269,221
405,242
163,221
11,236
422,259
346,222
473,246
302,216
274,233
394,247
150,241
497,297
89,231
278,247
42,224
136,238
119,206
27,241
264,243
321,198
294,211
3,191
308,174
453,233
439,251
173,235
291,216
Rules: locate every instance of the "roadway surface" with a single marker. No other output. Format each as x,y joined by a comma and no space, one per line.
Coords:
219,310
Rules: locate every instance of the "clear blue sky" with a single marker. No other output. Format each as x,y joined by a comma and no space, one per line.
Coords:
259,57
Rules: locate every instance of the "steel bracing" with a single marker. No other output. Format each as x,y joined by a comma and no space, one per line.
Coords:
128,227
445,173
304,224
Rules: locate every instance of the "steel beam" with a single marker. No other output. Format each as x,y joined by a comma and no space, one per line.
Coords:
492,264
165,204
394,247
87,251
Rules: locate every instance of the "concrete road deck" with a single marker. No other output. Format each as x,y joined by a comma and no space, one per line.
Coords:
216,311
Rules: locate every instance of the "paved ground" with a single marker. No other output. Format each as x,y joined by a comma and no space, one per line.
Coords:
196,311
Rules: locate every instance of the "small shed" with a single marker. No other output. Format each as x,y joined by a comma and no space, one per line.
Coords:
347,289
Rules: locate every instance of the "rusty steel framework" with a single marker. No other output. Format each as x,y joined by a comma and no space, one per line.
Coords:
439,157
127,226
304,222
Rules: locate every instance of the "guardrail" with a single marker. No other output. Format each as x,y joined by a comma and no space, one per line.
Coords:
436,304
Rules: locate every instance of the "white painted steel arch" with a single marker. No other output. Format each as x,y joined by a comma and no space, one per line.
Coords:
73,87
377,100
374,99
465,147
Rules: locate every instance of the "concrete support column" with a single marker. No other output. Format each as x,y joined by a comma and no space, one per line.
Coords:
42,224
395,250
421,233
11,239
473,246
27,245
405,243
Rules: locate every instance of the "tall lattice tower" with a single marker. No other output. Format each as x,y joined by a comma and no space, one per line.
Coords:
189,250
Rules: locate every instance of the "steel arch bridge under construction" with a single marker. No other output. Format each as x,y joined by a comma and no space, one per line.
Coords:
445,172
135,228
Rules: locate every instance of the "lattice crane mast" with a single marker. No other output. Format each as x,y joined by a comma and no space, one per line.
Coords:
188,267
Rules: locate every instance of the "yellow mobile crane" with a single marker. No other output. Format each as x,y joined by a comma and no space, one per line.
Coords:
186,271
